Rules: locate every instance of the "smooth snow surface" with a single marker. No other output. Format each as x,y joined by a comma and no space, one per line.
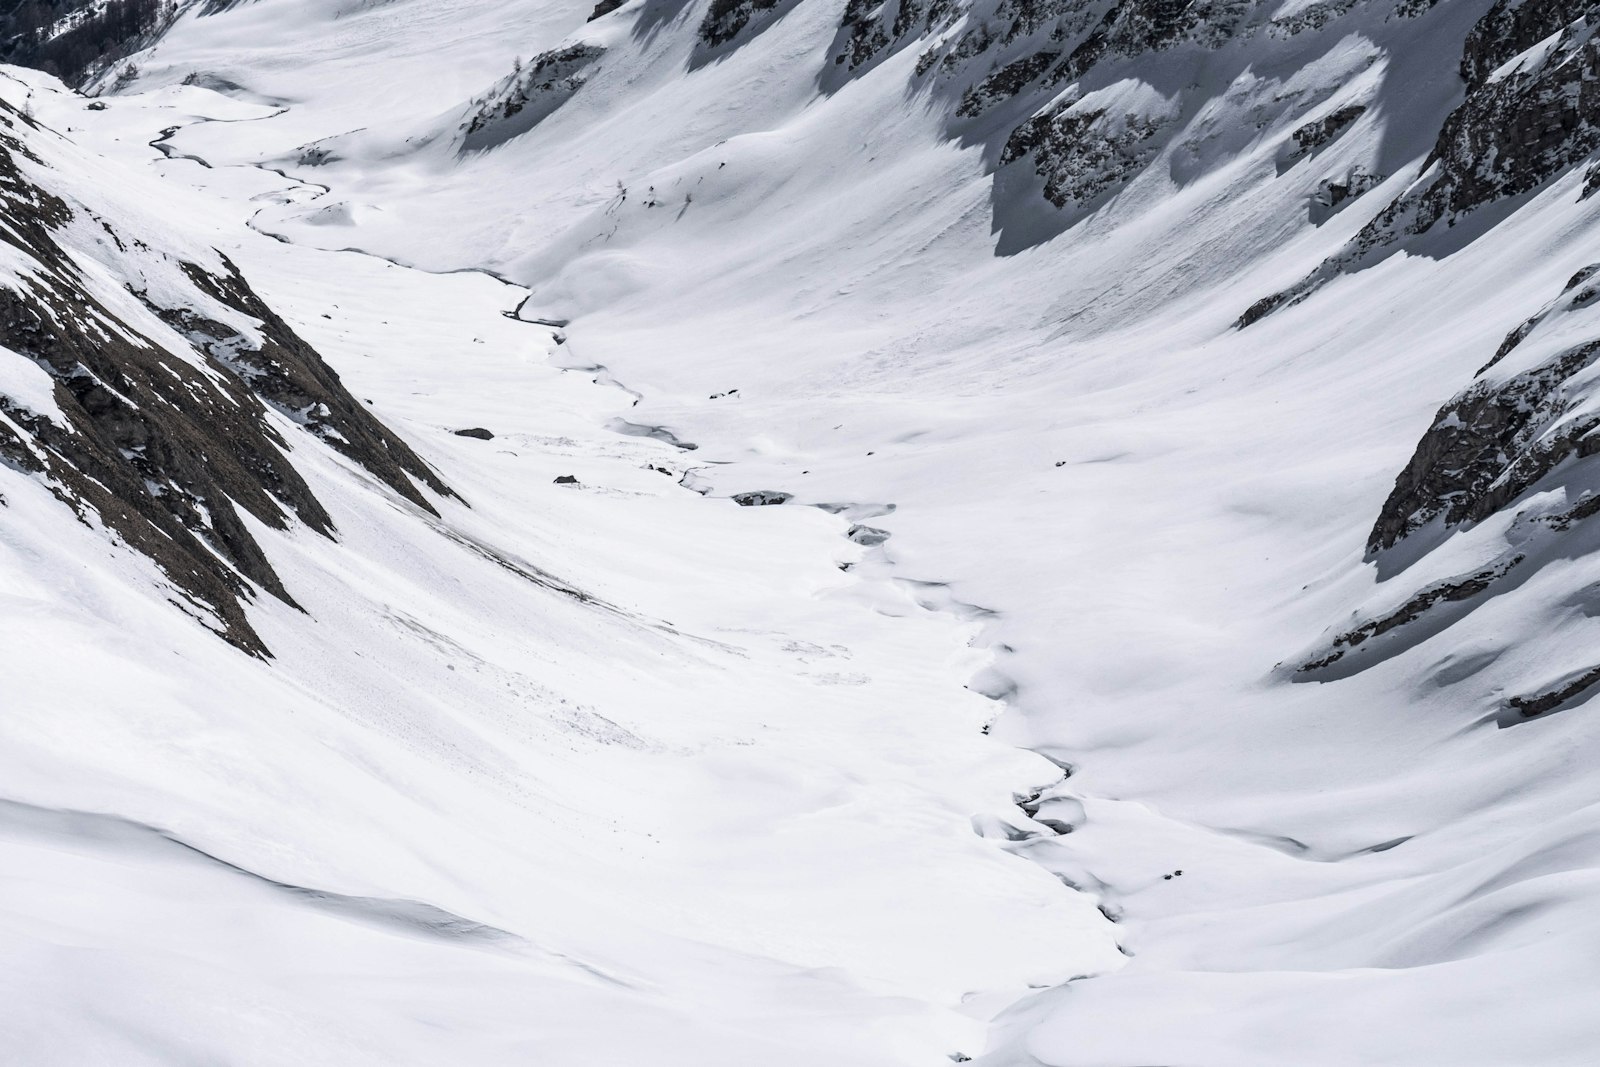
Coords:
619,772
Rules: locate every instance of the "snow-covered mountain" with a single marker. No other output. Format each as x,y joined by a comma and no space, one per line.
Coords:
1181,416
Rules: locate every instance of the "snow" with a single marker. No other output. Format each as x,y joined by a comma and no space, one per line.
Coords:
725,809
726,796
24,384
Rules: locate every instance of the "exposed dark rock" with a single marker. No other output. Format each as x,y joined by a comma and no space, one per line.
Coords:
76,39
1149,25
1517,429
1520,333
166,446
726,19
1487,447
289,375
1136,27
1332,193
477,431
1005,83
566,479
1509,136
1081,154
761,498
1540,703
1510,28
1266,306
1090,50
869,29
1316,15
1440,593
604,8
1496,441
1512,135
529,95
1319,132
1591,182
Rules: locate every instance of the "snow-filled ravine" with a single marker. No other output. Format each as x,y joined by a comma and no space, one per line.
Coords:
1080,688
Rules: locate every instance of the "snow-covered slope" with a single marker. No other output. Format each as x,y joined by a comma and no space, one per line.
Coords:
1223,370
566,745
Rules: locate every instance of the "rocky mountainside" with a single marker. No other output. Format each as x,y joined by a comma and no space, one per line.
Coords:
164,398
77,40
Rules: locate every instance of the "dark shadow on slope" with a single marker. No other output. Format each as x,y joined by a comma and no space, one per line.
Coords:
1537,542
1565,694
731,24
1053,170
1505,141
657,15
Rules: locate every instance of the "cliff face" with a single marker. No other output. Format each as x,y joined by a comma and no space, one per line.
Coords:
1529,73
167,397
76,41
1075,101
1513,449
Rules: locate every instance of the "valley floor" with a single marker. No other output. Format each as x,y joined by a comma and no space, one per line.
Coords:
603,772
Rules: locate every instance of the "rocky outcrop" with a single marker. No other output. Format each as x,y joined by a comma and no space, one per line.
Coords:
1005,83
1528,117
726,19
1082,151
1140,26
1036,79
1487,447
761,498
1319,132
286,373
1533,705
1512,447
528,95
1415,608
1496,439
79,39
1335,192
868,29
157,426
1515,132
1510,28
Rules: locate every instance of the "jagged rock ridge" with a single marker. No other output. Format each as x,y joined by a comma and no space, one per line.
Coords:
1531,73
528,95
162,435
